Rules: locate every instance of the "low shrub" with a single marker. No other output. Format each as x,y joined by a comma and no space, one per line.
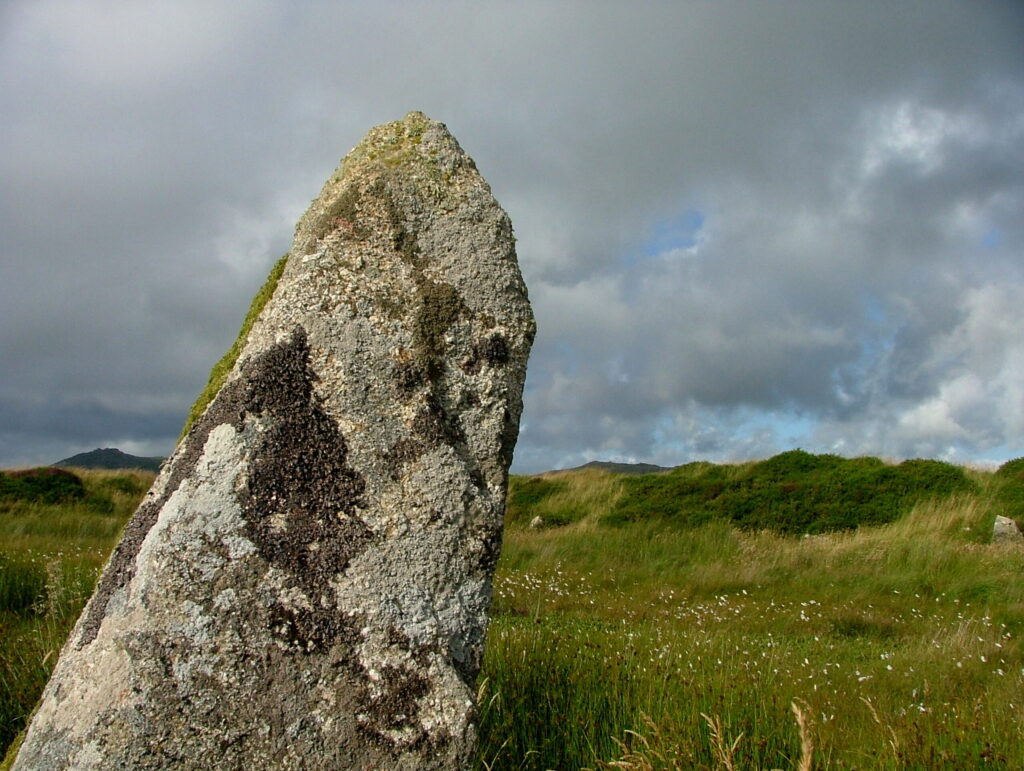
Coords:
41,485
525,493
124,484
1012,469
791,493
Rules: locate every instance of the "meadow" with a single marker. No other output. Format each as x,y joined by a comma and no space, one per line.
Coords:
54,539
678,621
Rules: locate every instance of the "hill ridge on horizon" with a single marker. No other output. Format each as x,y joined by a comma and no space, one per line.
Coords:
110,458
651,468
616,467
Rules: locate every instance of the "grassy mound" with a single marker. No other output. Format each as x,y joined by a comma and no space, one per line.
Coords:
559,499
41,485
794,493
650,645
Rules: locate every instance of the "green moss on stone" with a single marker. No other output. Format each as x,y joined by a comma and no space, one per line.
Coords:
220,370
440,305
12,751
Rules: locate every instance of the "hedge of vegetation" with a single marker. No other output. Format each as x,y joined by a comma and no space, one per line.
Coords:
792,493
41,485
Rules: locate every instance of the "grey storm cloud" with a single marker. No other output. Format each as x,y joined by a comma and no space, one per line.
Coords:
745,227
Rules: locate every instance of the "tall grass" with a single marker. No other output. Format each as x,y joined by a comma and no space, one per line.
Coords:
652,645
50,557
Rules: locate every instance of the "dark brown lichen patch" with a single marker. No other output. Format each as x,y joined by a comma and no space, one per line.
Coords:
492,350
186,716
435,425
305,630
301,495
391,707
490,551
119,571
401,454
404,241
440,306
300,500
420,653
409,376
509,434
407,245
341,215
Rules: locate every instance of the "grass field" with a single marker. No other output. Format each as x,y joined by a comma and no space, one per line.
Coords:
632,632
51,552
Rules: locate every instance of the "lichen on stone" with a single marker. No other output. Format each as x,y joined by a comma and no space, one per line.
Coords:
324,536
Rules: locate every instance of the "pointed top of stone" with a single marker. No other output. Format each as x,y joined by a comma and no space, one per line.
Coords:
306,585
415,158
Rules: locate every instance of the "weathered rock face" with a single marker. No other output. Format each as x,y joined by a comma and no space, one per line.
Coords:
306,584
1005,530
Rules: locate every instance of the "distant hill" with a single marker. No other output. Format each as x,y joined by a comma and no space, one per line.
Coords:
110,458
622,468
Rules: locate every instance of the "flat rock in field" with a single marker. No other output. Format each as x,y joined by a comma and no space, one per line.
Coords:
306,584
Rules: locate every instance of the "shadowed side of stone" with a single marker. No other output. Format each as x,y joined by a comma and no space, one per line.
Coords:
306,584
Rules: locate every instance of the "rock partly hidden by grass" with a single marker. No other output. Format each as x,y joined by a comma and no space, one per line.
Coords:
1011,490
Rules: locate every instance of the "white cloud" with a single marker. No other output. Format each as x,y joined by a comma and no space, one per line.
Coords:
917,134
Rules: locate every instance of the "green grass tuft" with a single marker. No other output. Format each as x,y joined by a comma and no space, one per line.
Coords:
222,368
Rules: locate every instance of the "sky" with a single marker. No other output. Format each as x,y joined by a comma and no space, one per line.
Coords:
745,227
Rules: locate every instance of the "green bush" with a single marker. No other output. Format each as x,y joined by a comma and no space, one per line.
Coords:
41,485
525,493
1010,493
124,484
686,494
1013,469
791,493
99,502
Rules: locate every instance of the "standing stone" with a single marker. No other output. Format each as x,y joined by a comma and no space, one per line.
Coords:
306,584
